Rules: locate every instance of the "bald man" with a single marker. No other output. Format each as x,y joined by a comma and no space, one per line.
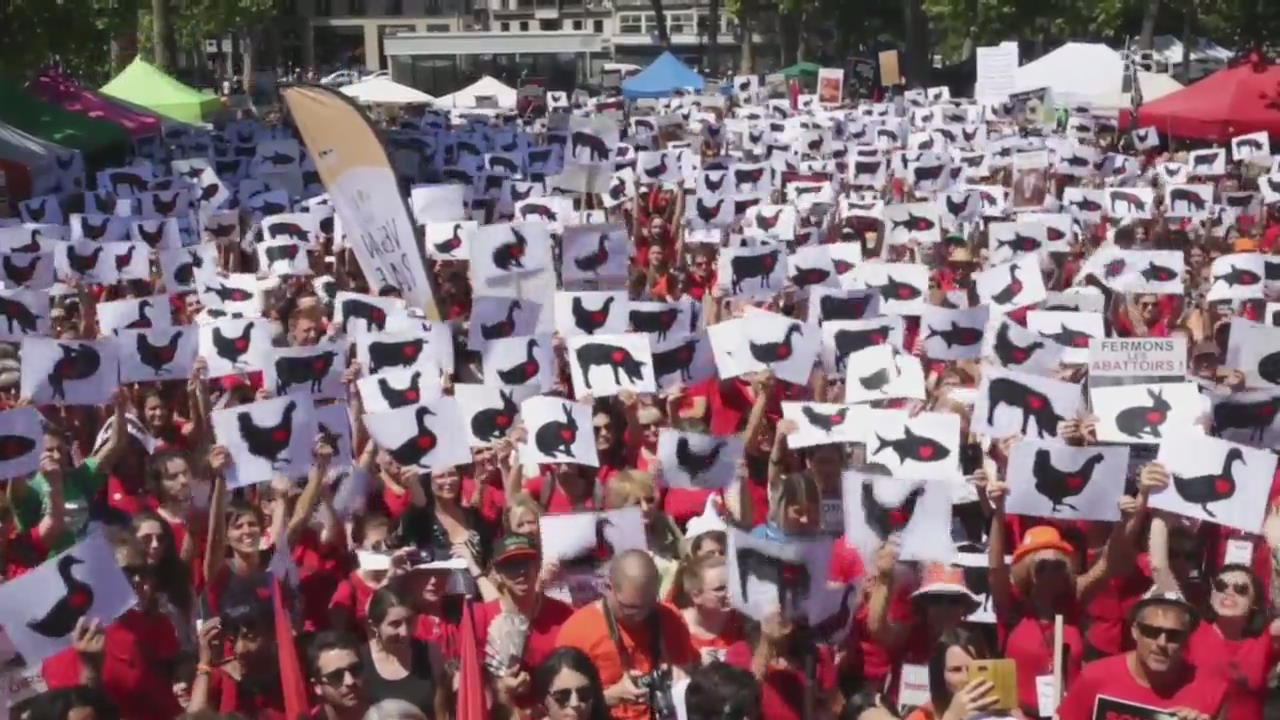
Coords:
627,634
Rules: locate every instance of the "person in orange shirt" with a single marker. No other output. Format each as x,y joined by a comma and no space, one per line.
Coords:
638,645
713,624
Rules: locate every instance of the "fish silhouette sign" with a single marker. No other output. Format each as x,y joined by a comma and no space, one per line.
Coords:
924,447
40,609
1239,276
953,334
267,437
1061,481
697,461
1215,480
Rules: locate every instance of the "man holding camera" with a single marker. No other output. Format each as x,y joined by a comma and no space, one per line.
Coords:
638,645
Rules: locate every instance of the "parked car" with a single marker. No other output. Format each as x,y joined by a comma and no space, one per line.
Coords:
340,78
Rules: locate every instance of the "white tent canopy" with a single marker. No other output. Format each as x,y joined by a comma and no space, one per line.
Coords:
39,155
487,86
1076,74
384,91
1204,52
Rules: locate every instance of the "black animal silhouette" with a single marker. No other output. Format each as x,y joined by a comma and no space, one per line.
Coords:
162,206
751,176
592,261
228,294
290,230
677,359
658,170
78,362
1158,273
555,437
913,223
16,273
135,182
502,328
693,463
1057,484
60,619
912,446
507,256
152,238
1007,293
540,210
848,342
714,185
398,398
597,149
657,322
707,213
746,267
1203,160
1134,202
834,307
232,349
1070,337
957,334
157,357
221,232
893,289
1269,367
375,317
1033,404
491,424
1076,161
1238,276
1020,243
589,321
15,312
927,173
13,447
1085,204
1252,144
805,277
36,211
141,322
396,353
267,441
1010,353
884,521
958,210
420,444
301,370
771,352
1214,487
1254,416
124,259
1188,197
94,232
1145,419
523,371
616,358
209,192
825,422
279,158
507,165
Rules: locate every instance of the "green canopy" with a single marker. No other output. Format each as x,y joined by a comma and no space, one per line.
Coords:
145,85
801,69
101,141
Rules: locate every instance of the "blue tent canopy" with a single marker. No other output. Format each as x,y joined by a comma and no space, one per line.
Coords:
663,76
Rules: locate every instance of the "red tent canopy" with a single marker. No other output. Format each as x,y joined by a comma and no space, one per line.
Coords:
1230,102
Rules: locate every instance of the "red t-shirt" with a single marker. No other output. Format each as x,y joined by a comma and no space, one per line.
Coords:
321,568
438,631
23,551
492,501
1108,610
731,634
225,697
846,563
783,689
541,640
352,600
559,501
1111,677
1030,645
137,659
1243,664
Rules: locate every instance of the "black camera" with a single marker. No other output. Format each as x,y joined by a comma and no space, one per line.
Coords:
657,683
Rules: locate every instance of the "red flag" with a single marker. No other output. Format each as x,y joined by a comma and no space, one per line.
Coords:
470,679
793,91
292,682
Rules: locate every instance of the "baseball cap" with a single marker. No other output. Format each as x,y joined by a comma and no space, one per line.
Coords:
515,546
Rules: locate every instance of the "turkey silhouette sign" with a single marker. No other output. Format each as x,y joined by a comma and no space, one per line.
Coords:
40,609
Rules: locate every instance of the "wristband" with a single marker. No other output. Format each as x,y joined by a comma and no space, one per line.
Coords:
203,669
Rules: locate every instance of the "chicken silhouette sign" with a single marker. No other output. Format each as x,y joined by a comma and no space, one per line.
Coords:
267,438
40,609
1059,481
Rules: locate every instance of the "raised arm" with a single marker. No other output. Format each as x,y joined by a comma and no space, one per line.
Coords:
998,570
216,540
106,456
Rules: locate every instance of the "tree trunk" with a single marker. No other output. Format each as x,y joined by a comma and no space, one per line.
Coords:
660,16
1149,16
1188,23
712,62
916,38
747,57
162,35
802,47
248,44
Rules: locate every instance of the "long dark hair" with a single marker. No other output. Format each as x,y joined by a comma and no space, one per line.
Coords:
571,658
721,692
1257,619
173,577
972,643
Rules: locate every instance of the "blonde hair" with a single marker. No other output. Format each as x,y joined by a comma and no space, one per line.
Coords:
629,486
791,489
521,501
1023,571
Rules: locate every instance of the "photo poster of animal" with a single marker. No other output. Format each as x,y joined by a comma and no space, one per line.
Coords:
823,423
902,286
604,365
1131,203
133,314
1208,163
594,253
590,313
1215,480
559,431
882,372
501,252
827,304
21,442
69,372
233,346
1248,417
917,512
697,461
153,354
1254,145
812,267
683,361
1144,414
1017,403
333,425
953,334
912,221
1052,480
1071,330
23,313
768,340
1188,201
359,314
494,318
313,370
40,609
1238,276
522,360
421,436
1011,285
590,537
747,273
438,203
267,438
921,447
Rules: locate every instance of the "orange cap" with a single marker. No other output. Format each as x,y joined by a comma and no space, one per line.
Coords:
1041,537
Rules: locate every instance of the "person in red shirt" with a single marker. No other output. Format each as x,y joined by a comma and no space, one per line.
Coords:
349,605
246,679
1235,643
713,625
1156,673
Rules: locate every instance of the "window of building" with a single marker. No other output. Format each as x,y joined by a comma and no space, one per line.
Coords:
506,26
678,23
577,24
630,24
437,27
324,8
597,26
355,7
524,26
433,7
394,7
548,25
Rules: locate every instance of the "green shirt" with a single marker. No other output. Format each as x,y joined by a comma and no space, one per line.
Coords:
79,486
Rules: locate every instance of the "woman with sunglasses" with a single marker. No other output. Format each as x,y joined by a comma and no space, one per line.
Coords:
394,664
567,686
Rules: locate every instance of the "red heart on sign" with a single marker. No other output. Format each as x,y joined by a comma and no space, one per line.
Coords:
502,421
568,435
1035,402
1224,485
1155,417
925,452
411,395
1074,482
280,436
618,356
241,345
426,442
410,350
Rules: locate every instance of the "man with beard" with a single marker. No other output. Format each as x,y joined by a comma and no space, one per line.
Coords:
335,676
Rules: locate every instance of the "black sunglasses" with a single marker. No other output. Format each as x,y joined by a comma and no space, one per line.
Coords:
1153,632
1046,566
1241,588
561,697
334,677
138,572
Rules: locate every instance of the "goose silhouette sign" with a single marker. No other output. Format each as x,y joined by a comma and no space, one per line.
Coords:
40,609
